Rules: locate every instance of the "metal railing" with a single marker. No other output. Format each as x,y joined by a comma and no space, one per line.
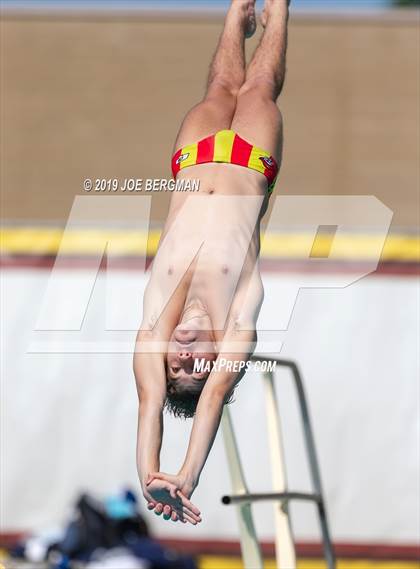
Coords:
243,499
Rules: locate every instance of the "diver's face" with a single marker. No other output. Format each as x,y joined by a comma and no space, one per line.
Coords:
189,346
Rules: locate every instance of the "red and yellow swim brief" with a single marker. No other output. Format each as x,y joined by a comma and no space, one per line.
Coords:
227,147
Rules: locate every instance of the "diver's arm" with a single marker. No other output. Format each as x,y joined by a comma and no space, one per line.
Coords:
150,374
149,439
206,423
149,371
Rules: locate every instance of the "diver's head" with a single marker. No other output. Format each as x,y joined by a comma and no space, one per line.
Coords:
191,351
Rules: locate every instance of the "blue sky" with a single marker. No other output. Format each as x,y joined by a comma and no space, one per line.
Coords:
186,4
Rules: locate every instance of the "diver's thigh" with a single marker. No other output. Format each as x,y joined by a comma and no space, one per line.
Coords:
258,120
214,113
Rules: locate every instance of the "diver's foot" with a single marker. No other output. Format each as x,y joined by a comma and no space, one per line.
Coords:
271,5
252,20
247,8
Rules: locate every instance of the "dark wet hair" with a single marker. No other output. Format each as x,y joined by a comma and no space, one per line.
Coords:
182,400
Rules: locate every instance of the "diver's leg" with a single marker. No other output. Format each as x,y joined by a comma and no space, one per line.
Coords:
226,76
257,117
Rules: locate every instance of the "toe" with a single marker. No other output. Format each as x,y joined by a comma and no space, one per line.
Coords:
264,18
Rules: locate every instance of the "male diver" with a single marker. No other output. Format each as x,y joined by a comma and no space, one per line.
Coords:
205,292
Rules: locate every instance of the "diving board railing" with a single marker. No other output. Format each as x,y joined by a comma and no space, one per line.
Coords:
280,495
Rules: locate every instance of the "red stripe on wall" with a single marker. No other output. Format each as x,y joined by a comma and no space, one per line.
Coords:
205,150
241,151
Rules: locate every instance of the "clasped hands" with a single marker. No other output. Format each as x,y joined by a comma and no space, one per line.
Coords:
169,495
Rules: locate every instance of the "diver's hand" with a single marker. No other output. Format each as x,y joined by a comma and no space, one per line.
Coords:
185,484
165,497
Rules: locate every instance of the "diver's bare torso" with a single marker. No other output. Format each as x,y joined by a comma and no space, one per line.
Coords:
226,210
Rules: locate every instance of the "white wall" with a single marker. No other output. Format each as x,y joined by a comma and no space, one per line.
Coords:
69,420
